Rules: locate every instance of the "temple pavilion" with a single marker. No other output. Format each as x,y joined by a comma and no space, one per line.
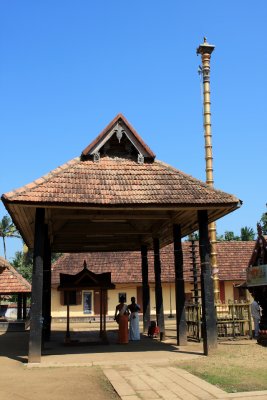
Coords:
116,196
13,283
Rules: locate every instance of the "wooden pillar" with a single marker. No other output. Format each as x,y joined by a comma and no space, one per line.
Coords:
101,313
209,327
47,288
67,338
104,309
104,336
179,287
146,291
35,341
158,289
19,306
24,305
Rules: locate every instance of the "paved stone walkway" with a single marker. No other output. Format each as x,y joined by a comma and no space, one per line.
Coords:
146,381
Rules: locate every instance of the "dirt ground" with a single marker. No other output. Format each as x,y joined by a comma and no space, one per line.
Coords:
17,382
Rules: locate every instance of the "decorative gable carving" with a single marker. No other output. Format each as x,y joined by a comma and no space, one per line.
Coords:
85,279
259,256
119,140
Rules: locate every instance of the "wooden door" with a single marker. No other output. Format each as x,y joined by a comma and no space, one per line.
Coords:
97,302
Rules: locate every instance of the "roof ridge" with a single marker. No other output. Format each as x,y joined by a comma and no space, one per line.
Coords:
45,178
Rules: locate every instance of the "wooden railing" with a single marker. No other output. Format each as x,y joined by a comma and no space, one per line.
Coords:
193,317
233,320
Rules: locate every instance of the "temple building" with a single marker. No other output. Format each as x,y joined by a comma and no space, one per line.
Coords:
256,281
116,197
126,273
12,283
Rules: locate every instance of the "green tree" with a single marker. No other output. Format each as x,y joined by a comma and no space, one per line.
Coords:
23,262
193,236
247,234
229,235
263,222
7,229
55,256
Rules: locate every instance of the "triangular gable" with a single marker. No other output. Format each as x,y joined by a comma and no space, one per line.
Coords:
119,139
85,278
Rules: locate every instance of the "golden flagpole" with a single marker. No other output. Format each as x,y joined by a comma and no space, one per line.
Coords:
205,50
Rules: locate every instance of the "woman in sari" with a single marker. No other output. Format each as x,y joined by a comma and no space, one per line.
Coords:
121,316
134,320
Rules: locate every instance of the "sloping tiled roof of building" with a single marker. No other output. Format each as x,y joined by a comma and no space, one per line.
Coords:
119,182
117,172
11,281
117,178
125,267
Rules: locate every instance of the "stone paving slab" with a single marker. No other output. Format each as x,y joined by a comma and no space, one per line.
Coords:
149,382
212,389
119,383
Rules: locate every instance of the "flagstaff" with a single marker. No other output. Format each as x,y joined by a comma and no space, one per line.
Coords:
205,50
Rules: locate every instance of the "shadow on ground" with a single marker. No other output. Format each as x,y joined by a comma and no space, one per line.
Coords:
14,345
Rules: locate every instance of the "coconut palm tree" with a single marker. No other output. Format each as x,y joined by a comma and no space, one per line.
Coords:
247,233
7,229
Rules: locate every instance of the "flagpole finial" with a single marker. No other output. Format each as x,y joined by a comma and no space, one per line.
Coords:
205,47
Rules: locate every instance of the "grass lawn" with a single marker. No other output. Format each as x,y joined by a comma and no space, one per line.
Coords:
236,366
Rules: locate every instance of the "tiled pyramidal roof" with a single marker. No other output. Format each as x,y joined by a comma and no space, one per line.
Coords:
118,170
120,182
11,281
125,267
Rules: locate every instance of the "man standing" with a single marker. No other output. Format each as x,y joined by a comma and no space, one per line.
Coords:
255,313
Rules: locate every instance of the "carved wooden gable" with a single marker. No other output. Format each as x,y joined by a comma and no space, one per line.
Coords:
259,256
85,279
119,140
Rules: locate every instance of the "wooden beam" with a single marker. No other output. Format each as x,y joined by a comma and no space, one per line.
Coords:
35,342
90,229
207,294
179,287
111,217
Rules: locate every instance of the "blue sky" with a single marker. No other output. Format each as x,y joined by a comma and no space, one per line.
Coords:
69,67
